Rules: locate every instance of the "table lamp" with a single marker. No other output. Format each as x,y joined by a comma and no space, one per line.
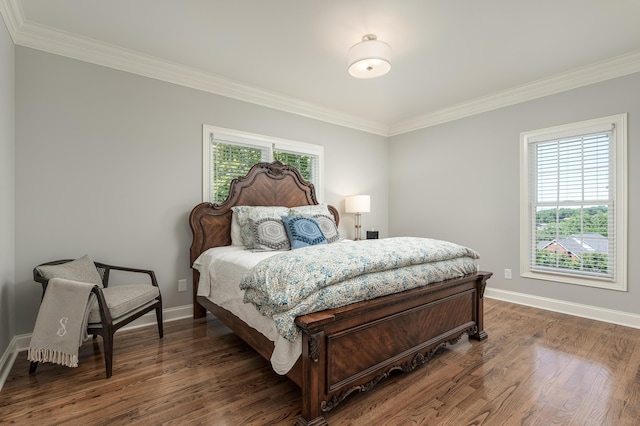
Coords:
357,204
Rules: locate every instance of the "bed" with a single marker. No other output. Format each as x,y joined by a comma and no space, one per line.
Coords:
336,355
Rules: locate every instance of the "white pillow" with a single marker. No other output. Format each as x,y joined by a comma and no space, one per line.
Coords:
236,236
311,210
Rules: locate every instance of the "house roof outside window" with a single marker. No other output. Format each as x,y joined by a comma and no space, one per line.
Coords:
577,244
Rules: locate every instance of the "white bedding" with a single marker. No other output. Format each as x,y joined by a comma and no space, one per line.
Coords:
221,270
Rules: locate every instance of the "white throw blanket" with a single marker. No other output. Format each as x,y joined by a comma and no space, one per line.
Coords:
61,326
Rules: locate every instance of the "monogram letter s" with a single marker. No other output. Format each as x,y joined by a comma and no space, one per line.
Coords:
63,329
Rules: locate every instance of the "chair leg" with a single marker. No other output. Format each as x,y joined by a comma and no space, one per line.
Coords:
107,341
32,367
159,318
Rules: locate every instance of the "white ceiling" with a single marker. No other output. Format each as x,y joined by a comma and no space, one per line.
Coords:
451,58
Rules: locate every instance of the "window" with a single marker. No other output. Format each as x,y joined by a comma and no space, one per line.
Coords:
573,220
228,154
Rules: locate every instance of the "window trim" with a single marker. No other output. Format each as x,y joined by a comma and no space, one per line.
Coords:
261,141
619,122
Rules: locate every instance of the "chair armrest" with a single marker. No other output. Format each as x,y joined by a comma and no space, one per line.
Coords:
108,268
105,313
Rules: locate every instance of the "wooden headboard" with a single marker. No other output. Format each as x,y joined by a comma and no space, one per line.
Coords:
266,184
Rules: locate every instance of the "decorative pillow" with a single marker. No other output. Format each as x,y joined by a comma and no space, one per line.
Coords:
244,213
83,270
303,231
328,227
269,234
309,211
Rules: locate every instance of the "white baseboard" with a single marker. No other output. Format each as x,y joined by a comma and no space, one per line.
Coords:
7,360
21,342
585,311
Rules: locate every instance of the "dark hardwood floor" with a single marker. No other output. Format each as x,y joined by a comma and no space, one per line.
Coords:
536,368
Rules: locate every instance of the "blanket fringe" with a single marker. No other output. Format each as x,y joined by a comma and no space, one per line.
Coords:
50,355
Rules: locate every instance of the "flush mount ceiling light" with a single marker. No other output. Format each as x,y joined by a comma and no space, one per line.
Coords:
370,58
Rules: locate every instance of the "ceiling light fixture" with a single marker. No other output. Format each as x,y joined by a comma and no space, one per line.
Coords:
370,58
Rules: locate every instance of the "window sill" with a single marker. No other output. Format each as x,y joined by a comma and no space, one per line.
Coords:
571,279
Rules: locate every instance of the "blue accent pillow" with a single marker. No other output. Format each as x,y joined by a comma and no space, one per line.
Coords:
303,231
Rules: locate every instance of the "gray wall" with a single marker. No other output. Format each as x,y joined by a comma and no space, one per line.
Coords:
7,188
109,163
460,181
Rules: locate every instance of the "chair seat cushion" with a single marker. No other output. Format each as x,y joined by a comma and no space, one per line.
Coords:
122,299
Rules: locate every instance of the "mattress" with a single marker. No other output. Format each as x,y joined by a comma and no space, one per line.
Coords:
282,285
221,270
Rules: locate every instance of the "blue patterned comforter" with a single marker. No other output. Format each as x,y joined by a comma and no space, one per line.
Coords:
316,278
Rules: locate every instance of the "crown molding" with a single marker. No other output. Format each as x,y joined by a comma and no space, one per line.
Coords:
594,73
12,15
55,41
51,40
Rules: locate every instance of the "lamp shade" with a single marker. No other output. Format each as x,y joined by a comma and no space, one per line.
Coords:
357,204
370,58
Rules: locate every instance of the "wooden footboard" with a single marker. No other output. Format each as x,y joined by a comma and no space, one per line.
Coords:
353,348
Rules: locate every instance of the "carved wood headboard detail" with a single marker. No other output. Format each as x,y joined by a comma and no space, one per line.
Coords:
266,184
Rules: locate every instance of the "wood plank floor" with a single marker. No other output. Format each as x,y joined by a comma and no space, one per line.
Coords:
536,368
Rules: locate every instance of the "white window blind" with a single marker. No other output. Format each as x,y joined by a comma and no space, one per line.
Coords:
230,160
572,213
572,181
228,154
304,157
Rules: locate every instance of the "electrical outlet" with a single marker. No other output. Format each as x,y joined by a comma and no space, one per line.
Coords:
182,285
507,274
